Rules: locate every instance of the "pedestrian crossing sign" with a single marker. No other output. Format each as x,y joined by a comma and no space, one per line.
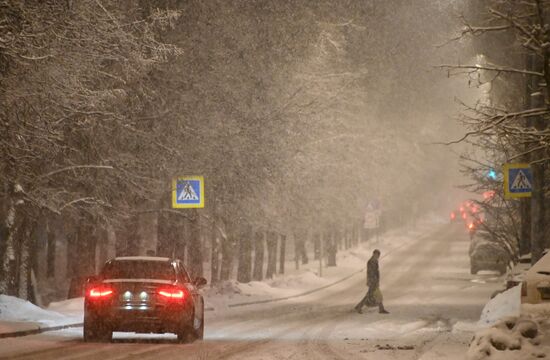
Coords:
518,181
188,192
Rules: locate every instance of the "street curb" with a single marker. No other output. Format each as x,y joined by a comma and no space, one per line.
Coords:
38,330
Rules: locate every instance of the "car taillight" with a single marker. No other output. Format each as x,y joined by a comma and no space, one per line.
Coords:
100,292
524,288
174,294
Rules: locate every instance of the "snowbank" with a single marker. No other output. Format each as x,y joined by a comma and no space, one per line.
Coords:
505,304
15,309
233,292
536,310
18,315
516,338
515,332
72,307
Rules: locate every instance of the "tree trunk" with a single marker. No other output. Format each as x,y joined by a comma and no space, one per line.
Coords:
228,254
316,245
102,247
282,254
303,242
34,294
72,248
296,251
332,247
165,235
244,272
51,251
300,252
525,230
349,236
271,254
215,260
537,213
24,263
356,233
127,238
259,250
7,271
134,236
87,244
195,246
538,198
338,238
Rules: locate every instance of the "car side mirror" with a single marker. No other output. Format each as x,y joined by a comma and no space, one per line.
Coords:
200,282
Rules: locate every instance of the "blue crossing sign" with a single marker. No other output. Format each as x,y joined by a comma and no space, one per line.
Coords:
188,192
518,181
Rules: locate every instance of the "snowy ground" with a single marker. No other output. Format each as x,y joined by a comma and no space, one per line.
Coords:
435,306
511,331
20,315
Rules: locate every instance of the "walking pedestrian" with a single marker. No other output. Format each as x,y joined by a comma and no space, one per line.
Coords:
374,294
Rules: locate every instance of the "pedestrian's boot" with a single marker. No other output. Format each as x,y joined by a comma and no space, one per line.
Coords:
381,309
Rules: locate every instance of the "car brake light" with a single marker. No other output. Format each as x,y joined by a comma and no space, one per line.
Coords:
100,292
176,294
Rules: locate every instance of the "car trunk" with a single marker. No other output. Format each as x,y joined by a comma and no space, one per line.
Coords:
137,294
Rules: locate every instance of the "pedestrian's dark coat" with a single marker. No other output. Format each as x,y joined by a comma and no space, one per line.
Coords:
373,274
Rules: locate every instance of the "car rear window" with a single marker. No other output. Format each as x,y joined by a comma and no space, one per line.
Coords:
137,269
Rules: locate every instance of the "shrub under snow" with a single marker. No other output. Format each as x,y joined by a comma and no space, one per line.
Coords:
514,338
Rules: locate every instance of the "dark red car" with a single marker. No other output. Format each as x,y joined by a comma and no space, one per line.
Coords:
143,295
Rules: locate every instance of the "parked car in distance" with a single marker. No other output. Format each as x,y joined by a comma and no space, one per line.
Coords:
535,288
143,295
487,255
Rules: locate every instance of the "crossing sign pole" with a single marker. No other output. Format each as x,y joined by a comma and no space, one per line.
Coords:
518,181
188,192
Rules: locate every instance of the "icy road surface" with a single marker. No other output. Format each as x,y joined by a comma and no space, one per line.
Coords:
433,300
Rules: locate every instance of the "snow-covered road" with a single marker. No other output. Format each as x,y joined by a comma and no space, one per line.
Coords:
433,300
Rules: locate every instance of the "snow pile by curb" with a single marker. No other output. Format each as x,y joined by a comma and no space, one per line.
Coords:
15,309
71,307
507,335
19,317
522,338
505,304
